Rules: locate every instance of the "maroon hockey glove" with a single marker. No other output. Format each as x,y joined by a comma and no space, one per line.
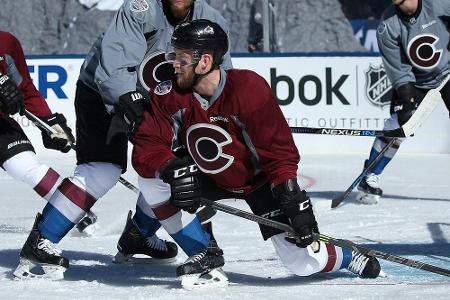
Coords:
130,109
183,176
11,99
297,206
62,139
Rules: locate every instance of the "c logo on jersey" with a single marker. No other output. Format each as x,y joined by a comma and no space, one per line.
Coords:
422,51
154,69
205,144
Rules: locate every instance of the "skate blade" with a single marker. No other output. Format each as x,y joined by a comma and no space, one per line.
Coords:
119,258
369,199
214,278
50,272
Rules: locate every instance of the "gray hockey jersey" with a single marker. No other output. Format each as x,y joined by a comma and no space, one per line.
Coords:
414,48
129,56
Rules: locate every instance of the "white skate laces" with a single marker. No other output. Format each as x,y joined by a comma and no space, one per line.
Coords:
156,243
358,263
48,247
373,180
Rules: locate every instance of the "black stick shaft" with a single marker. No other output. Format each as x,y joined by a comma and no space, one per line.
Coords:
327,239
336,201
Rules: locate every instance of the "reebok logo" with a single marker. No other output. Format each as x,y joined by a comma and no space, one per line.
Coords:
428,24
218,118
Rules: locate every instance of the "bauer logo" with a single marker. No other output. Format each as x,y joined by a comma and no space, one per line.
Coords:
378,86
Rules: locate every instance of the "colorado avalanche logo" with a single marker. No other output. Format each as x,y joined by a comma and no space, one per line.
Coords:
154,69
378,86
422,51
205,143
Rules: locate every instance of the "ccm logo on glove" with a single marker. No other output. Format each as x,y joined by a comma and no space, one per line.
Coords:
184,171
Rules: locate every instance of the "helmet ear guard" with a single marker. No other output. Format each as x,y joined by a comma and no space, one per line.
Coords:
201,36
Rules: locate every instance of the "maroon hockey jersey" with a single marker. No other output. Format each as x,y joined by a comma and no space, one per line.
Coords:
240,134
12,63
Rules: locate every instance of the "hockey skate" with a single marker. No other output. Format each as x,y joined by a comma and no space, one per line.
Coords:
38,252
204,269
364,266
153,249
88,225
369,189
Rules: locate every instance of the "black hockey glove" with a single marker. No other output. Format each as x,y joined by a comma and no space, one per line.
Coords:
296,205
62,139
11,99
406,103
183,176
130,109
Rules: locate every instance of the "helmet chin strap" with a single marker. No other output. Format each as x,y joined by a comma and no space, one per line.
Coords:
197,76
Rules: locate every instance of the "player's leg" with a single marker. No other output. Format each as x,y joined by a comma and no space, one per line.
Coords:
139,237
99,167
18,159
306,261
369,187
328,258
205,256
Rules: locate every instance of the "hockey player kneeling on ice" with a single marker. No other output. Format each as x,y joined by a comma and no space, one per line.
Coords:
239,146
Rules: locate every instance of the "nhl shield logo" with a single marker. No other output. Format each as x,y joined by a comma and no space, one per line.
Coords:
378,86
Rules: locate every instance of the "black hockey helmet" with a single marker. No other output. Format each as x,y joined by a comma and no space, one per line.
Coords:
201,36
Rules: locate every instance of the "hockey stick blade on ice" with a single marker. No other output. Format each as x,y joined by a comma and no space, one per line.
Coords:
327,239
336,201
203,215
424,110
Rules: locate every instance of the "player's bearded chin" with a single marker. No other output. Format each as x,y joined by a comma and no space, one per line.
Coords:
180,9
185,80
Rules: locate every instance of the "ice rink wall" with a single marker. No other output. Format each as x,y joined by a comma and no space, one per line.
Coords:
342,90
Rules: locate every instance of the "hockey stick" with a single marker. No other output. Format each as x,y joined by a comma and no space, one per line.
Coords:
424,110
327,239
202,215
336,201
399,132
49,130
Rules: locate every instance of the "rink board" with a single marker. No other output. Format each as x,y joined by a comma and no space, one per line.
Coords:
313,90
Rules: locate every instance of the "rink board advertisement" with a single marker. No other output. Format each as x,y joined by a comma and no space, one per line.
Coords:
313,91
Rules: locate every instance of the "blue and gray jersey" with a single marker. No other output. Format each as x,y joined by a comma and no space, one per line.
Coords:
127,56
414,48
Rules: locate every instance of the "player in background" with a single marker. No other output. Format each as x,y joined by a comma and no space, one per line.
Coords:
413,42
112,91
17,155
239,146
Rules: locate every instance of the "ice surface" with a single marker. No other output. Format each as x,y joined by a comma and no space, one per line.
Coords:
412,220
